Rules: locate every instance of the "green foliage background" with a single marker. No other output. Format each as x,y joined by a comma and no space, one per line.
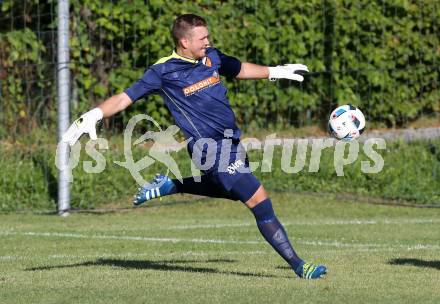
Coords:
380,55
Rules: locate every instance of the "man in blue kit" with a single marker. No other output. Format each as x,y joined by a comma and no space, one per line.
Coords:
189,82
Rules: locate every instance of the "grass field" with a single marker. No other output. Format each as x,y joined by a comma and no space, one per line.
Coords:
189,250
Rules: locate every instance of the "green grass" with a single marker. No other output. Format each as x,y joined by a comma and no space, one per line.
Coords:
189,250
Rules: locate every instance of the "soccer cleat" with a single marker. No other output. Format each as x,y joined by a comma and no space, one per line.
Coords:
310,271
161,185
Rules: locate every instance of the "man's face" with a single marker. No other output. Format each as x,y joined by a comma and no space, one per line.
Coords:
198,41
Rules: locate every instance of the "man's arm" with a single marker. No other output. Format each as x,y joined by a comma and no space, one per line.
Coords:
115,104
253,71
232,67
87,122
288,71
149,82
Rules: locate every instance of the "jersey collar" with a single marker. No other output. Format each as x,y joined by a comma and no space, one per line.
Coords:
177,56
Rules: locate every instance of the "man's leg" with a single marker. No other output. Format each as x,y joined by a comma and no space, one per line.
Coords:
163,186
271,228
204,187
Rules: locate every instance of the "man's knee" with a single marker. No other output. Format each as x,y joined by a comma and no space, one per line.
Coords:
259,196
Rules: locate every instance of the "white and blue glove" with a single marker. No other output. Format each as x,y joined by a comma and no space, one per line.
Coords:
85,124
288,71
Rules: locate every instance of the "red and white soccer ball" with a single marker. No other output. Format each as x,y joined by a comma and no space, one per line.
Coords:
346,122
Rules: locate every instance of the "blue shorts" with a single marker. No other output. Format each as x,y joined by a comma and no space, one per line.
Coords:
227,165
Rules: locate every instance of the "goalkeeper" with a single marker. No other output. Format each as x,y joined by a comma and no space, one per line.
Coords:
188,80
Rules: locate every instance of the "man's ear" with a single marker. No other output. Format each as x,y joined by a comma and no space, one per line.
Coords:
184,42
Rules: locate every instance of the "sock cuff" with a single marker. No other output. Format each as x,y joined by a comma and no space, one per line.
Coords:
264,211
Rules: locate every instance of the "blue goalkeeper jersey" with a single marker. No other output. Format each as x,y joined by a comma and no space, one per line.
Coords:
193,92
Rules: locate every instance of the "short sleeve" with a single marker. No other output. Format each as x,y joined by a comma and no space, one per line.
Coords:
149,83
229,66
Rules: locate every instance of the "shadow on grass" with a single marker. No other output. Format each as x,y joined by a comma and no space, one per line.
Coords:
171,265
284,267
415,262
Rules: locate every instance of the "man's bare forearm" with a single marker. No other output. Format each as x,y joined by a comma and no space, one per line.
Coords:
115,104
253,71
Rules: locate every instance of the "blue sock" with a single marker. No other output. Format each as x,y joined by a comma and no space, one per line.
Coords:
274,233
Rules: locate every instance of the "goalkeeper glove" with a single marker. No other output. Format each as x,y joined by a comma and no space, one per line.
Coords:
85,124
288,71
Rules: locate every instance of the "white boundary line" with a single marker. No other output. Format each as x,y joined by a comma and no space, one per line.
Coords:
329,243
311,223
125,238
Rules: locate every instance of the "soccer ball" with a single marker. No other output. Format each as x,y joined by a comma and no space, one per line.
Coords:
346,122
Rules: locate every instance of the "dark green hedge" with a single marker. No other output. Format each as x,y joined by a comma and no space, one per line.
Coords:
381,55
